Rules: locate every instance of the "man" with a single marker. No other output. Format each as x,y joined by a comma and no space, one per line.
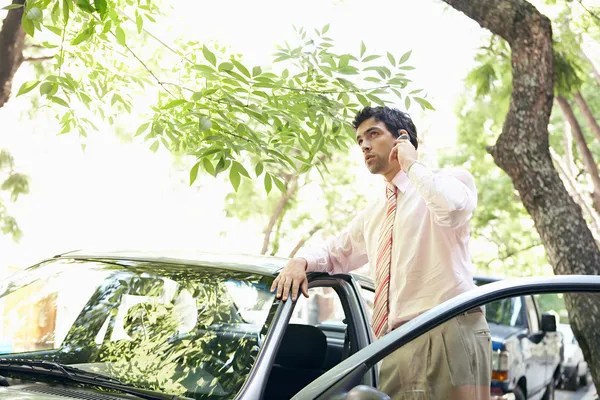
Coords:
416,239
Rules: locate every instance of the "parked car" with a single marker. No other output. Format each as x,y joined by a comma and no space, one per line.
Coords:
110,326
526,347
574,368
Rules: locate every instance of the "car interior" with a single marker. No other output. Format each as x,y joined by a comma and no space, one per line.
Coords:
310,349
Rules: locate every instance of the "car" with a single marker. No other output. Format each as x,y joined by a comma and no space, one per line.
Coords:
125,325
574,369
526,347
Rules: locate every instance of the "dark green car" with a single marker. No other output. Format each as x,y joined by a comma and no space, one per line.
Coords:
108,326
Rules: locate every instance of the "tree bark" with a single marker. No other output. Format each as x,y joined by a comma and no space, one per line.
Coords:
587,114
586,154
12,40
522,150
292,188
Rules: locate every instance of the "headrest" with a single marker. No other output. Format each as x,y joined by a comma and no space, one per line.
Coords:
302,347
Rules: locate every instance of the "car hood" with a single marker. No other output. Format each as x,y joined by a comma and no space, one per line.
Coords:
38,391
500,333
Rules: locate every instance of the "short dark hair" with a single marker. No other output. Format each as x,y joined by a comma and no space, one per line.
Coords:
393,119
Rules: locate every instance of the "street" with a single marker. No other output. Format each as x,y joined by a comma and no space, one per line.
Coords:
584,393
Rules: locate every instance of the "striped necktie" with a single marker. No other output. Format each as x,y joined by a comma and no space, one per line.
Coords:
382,267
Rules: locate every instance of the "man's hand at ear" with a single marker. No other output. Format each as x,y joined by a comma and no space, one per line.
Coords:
404,151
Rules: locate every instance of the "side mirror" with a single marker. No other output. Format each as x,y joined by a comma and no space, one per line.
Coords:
364,392
548,323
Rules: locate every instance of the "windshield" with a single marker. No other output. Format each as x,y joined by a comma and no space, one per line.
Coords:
176,329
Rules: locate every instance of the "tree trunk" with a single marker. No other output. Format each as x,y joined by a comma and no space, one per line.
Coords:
588,115
586,154
12,40
292,188
303,241
522,150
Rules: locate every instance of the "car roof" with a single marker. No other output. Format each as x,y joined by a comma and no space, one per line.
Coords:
264,265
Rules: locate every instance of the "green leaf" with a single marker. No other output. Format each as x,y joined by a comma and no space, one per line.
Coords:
391,59
407,68
59,101
85,6
101,6
256,71
348,70
280,185
404,57
154,146
258,170
27,87
47,88
120,36
240,67
204,124
27,25
325,29
225,66
235,179
142,128
193,171
210,56
268,183
34,14
139,22
407,102
82,37
239,168
208,167
220,165
54,30
173,104
12,6
371,58
65,6
423,103
363,48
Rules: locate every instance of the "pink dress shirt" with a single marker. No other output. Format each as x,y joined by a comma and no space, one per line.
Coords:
430,253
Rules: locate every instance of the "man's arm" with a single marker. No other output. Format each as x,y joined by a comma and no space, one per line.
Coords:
342,253
450,195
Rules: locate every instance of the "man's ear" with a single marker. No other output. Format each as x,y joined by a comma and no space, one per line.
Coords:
402,132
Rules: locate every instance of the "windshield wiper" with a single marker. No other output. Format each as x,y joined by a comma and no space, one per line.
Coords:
50,368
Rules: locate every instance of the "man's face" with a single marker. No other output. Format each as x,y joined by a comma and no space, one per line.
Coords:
376,143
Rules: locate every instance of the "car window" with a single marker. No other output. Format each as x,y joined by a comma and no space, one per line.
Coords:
322,307
368,296
532,314
506,312
183,330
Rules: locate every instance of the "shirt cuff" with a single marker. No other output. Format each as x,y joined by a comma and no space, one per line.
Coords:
311,262
416,170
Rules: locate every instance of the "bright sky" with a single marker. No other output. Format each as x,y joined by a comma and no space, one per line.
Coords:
117,195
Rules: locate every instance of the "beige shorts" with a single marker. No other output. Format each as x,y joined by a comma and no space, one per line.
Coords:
452,361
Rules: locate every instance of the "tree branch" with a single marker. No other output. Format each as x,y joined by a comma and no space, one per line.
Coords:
512,253
588,10
292,188
305,239
37,59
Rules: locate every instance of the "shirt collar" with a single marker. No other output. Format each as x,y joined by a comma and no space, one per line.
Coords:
401,181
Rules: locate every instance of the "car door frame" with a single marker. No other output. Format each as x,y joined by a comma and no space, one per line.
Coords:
346,375
349,292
